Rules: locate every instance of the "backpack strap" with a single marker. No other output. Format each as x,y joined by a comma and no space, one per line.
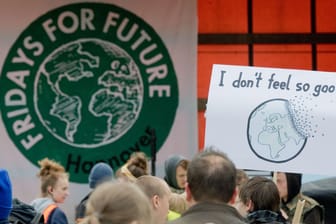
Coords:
47,211
38,219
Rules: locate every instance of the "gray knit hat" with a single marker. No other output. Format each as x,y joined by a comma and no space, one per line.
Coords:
99,173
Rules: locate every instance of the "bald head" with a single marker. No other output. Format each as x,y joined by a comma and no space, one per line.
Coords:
211,176
152,185
158,192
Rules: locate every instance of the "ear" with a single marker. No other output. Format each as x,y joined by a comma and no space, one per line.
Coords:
50,189
156,201
249,205
234,195
189,197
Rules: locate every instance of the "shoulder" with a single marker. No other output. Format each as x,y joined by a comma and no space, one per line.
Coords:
175,190
309,201
312,210
81,207
207,212
57,216
310,204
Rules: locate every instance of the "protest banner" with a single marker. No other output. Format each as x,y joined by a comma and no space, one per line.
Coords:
273,119
84,82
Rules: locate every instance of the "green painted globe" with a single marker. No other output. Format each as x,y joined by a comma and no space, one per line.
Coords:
88,93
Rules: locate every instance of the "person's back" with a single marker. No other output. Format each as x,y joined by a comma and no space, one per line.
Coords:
54,190
99,173
289,185
262,200
177,206
177,203
5,196
118,202
211,185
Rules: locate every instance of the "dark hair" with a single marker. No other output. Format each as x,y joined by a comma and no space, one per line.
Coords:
184,164
263,193
211,176
241,178
138,164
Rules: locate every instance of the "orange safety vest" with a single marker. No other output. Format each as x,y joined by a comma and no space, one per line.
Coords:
47,211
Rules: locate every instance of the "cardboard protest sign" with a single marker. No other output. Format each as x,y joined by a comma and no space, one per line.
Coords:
273,119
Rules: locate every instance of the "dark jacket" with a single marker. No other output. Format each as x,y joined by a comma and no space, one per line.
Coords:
266,216
313,212
4,221
57,216
208,212
81,207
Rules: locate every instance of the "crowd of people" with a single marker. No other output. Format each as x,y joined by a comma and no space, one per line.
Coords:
207,188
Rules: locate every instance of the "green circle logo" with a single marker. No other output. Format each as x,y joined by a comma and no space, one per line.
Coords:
85,83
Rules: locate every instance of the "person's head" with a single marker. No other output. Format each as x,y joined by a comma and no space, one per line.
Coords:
289,185
211,177
5,195
118,202
177,203
260,193
54,180
158,193
241,179
100,173
136,166
176,171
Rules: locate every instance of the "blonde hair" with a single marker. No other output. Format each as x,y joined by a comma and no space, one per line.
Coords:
177,203
152,185
50,172
117,202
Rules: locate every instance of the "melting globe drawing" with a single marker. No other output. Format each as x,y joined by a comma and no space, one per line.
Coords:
88,93
272,132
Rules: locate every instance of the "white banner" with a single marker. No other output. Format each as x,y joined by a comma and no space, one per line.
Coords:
83,82
273,119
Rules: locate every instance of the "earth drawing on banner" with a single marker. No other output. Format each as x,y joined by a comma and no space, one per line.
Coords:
272,132
113,101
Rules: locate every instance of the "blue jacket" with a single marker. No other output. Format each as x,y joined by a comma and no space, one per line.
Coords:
57,217
4,221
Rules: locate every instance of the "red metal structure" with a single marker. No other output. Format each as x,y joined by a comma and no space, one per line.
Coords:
298,34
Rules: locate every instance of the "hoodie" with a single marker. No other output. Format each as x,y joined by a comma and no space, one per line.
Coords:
170,171
293,185
57,216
